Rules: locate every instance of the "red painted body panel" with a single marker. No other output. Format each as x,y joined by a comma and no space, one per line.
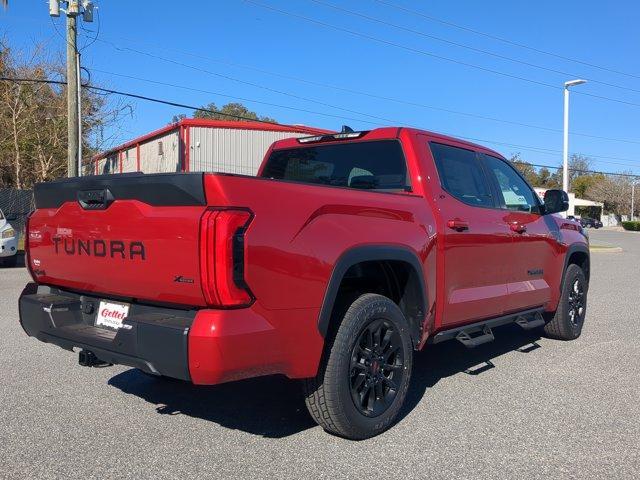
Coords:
170,236
291,247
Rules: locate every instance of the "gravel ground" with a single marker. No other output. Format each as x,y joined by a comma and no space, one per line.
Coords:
559,410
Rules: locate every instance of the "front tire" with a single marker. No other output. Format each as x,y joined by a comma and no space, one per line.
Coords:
567,321
365,374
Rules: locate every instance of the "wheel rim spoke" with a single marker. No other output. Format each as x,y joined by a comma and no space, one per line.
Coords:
576,302
377,360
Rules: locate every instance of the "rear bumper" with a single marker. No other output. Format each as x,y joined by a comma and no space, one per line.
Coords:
204,346
155,339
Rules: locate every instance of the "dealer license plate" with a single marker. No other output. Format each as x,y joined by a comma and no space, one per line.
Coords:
112,314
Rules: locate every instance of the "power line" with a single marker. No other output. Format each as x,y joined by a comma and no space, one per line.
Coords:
141,97
388,121
351,91
253,84
233,97
505,40
430,54
468,47
549,151
181,105
580,170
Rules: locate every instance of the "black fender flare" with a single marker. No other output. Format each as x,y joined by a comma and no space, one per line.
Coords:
573,248
366,253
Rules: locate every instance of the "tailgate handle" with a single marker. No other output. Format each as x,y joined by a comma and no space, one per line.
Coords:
95,199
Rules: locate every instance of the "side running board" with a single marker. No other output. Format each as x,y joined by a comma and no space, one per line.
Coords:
481,332
471,339
529,323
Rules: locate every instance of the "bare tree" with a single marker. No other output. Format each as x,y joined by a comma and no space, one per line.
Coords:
34,117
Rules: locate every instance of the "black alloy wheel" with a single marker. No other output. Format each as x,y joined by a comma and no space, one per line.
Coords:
576,302
377,367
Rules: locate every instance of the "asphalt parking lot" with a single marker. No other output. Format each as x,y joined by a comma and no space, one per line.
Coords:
559,410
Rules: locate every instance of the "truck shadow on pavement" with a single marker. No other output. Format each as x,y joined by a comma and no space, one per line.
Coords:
274,406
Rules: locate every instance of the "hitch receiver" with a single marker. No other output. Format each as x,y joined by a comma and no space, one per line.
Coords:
87,358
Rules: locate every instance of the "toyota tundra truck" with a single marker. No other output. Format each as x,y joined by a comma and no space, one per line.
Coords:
347,253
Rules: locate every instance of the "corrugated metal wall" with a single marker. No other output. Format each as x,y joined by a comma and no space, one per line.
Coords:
108,165
230,150
129,160
161,154
212,149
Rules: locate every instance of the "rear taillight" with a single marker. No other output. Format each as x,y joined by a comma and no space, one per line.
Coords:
222,257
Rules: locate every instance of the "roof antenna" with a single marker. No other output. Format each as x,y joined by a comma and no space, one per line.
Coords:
346,129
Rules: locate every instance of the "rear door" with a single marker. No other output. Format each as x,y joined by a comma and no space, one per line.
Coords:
533,256
131,236
474,239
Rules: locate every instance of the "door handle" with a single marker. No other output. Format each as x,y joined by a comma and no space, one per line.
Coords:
518,227
458,225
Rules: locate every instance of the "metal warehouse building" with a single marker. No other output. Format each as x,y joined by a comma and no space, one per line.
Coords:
197,145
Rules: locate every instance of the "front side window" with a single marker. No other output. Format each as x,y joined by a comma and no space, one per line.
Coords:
461,174
376,165
516,193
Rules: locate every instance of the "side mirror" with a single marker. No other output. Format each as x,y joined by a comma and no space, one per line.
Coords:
555,201
11,218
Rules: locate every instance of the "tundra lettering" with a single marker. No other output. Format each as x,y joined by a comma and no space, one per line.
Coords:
347,253
98,248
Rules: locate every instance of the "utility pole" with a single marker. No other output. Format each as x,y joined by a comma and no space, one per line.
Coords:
633,197
73,119
74,8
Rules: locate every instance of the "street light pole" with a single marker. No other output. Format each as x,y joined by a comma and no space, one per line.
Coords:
565,150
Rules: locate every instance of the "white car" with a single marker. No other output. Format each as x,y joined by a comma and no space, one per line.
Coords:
8,243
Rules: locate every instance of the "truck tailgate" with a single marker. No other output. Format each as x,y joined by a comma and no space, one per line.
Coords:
130,236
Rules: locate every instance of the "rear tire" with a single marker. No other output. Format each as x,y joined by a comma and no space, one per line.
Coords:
567,321
365,373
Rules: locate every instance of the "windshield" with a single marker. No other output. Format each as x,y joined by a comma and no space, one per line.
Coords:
377,165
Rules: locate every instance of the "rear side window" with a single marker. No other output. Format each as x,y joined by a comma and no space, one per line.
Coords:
462,175
378,165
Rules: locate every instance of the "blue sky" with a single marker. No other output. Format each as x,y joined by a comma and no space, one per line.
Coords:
253,54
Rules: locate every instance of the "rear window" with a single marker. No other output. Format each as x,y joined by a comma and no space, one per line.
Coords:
378,165
461,174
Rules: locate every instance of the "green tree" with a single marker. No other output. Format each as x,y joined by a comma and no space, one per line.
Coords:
527,170
230,111
545,179
580,185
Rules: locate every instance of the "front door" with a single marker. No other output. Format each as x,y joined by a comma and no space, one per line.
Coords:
533,257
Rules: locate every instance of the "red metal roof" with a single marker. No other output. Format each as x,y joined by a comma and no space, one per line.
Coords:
200,122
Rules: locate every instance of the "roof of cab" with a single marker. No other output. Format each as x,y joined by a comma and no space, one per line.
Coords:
393,132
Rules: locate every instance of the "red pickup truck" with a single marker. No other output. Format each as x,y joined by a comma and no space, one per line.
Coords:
345,254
